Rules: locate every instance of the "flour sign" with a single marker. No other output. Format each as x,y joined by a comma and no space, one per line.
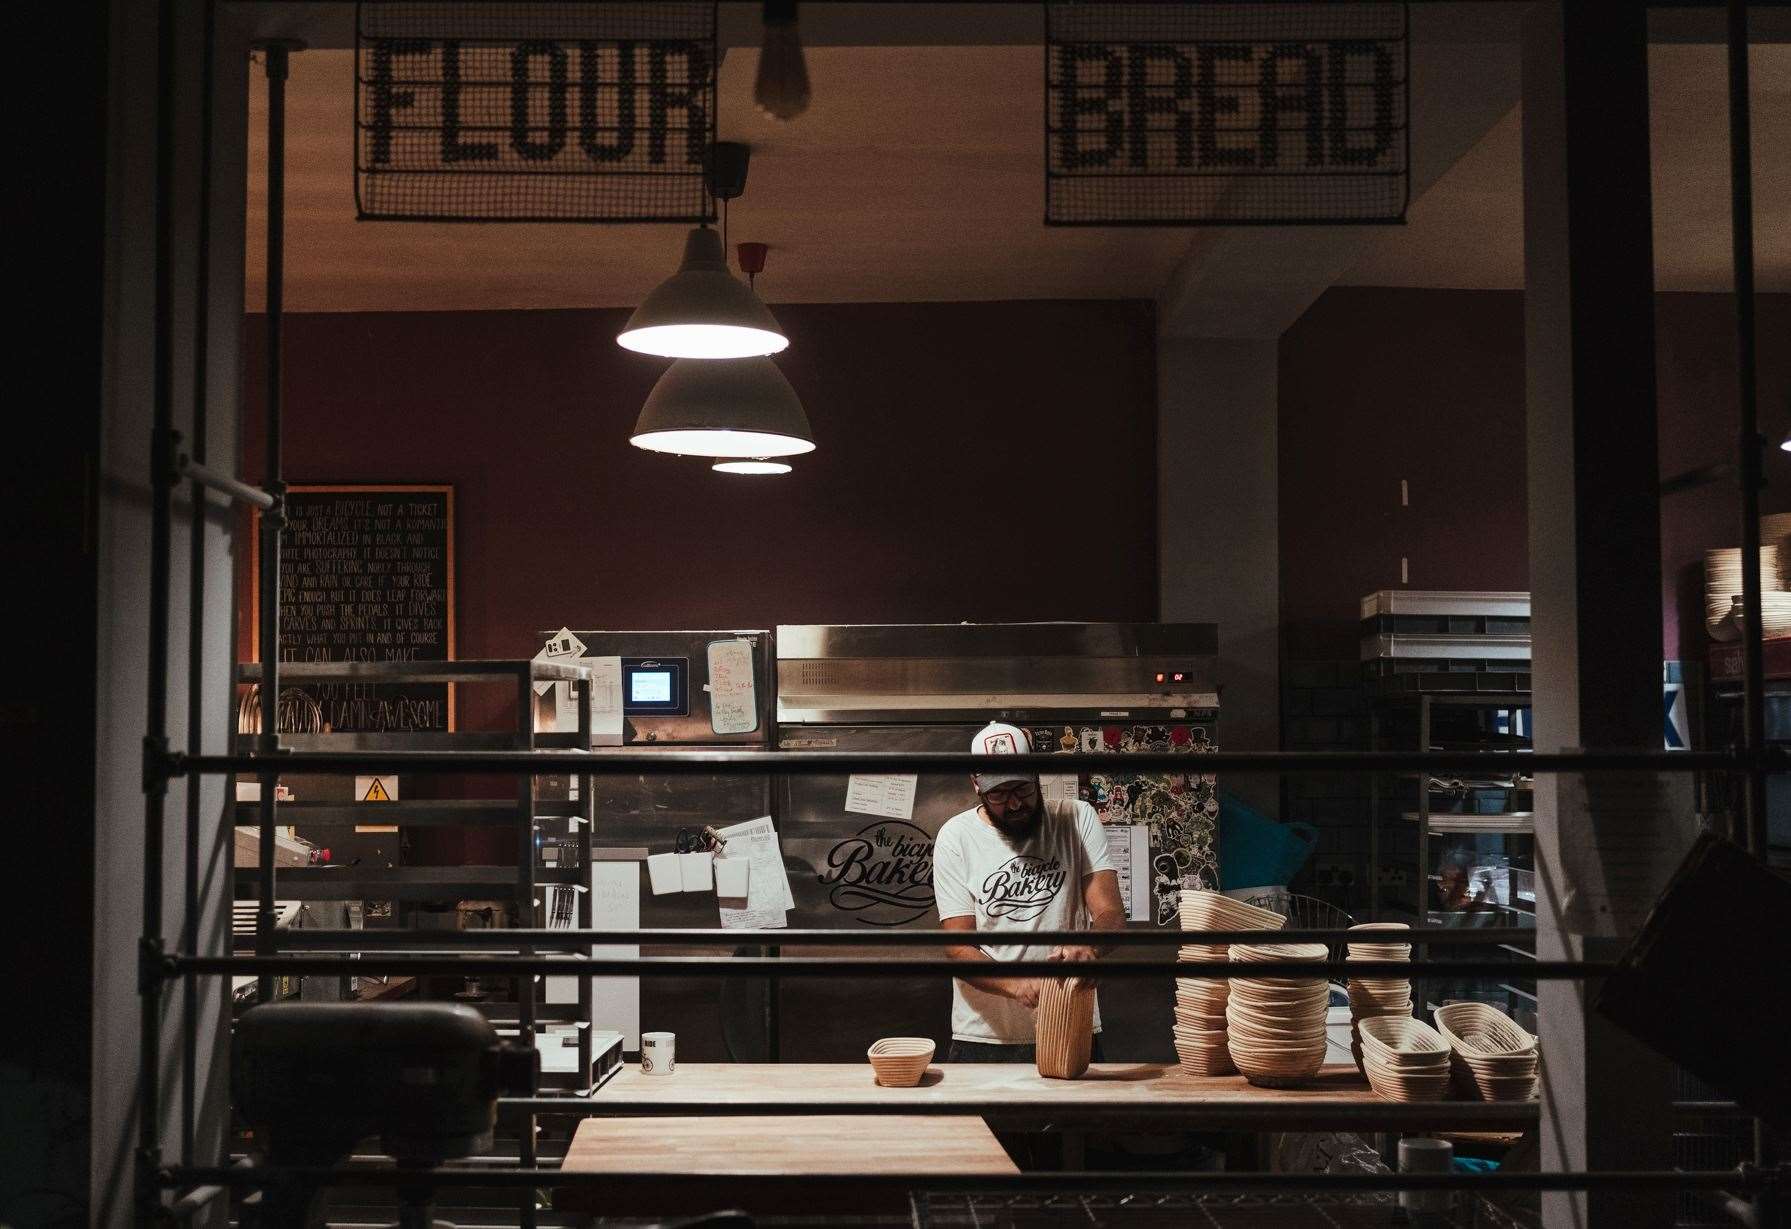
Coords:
1225,114
586,112
883,875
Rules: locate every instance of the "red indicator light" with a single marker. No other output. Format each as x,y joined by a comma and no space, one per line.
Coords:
1159,676
1180,677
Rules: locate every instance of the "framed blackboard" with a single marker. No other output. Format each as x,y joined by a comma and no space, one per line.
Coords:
367,574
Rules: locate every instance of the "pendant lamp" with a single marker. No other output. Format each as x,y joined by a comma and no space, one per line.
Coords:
757,465
740,408
702,310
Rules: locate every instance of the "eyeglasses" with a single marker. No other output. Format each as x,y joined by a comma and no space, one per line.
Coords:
1001,795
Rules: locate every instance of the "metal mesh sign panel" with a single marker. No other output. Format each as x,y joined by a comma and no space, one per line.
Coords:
544,112
1201,114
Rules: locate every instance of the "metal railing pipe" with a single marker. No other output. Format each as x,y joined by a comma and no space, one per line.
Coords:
747,763
788,966
1123,1180
370,940
203,475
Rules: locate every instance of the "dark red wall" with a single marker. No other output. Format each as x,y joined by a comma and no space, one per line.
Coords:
1428,385
975,462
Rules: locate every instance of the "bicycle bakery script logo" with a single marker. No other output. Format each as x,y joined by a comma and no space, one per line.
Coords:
1022,889
884,874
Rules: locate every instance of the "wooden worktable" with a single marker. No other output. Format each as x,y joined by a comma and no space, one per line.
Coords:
1014,1095
768,1164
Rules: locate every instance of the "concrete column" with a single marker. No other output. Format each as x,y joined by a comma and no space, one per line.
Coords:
1594,544
1217,557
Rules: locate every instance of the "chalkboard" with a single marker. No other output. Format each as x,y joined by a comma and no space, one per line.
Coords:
367,574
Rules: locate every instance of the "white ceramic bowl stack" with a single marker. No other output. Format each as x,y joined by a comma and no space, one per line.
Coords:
1495,1059
1275,1026
1200,1040
1374,997
900,1061
1722,584
1405,1059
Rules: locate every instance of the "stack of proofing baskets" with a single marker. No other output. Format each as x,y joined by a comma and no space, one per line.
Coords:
1200,1002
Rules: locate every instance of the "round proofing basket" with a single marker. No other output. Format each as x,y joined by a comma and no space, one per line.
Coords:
899,1062
1064,1028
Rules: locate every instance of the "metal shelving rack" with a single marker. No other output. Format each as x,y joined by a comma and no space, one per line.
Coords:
526,1016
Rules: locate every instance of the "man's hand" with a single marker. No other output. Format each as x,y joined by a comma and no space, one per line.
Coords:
1074,952
1023,990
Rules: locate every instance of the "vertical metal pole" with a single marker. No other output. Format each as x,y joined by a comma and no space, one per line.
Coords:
189,1073
155,740
525,893
274,519
1750,444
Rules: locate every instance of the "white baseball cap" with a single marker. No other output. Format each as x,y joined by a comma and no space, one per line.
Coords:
999,738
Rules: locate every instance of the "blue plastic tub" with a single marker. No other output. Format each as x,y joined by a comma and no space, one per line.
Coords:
1256,851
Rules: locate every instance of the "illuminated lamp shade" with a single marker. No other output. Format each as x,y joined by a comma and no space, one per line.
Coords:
702,310
1785,444
757,465
741,409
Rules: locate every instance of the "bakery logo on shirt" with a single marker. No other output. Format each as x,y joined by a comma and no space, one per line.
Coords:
1022,888
884,874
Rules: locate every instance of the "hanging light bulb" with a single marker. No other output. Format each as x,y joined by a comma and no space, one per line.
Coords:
741,409
702,310
781,87
757,465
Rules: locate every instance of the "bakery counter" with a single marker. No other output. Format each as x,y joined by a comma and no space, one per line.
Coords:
1015,1096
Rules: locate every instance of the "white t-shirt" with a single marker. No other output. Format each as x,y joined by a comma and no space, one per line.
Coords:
1035,885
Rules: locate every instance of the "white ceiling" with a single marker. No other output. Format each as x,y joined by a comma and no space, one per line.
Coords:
916,176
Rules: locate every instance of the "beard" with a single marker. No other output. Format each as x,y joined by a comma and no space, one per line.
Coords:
1017,827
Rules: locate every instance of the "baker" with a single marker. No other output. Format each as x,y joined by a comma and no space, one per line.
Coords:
1012,864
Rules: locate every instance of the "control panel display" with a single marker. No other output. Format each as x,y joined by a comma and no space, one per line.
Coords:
656,686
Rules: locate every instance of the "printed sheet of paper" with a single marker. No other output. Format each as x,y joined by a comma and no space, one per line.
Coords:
606,700
562,648
1619,838
768,886
891,796
1128,848
1059,787
616,905
733,692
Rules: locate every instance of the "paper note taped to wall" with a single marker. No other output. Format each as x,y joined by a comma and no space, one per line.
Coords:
1128,848
606,700
889,795
733,692
562,648
768,897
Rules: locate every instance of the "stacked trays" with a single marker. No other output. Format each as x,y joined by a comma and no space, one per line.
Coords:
1064,1028
1200,1040
1275,1026
1405,1059
1722,584
1375,997
900,1061
1495,1060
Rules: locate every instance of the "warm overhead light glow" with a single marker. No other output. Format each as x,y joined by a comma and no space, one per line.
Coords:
1785,444
703,310
740,409
702,341
755,466
721,443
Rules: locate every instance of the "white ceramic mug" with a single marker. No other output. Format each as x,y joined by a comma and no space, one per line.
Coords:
659,1053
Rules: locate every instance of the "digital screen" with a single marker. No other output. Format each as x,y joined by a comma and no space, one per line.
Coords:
650,687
